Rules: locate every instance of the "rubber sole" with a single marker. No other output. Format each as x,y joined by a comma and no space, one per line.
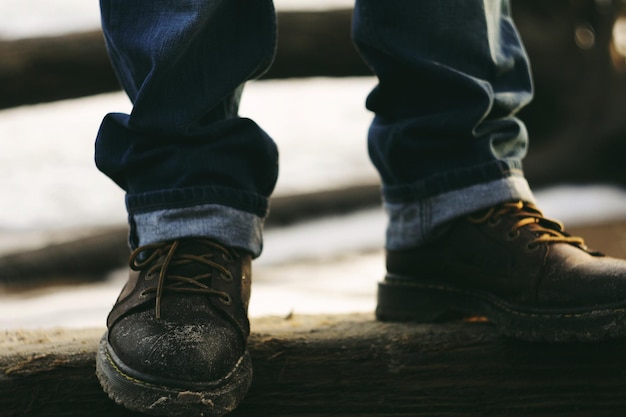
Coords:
132,390
408,299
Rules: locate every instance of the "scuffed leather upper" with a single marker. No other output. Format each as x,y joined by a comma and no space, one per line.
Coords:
202,327
511,262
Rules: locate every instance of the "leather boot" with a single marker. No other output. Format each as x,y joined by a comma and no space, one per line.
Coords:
515,267
176,339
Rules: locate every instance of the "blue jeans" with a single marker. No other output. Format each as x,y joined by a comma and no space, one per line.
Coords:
452,74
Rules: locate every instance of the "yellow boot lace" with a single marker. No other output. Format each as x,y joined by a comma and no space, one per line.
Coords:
531,218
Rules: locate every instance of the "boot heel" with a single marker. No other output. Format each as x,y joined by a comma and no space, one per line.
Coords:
398,302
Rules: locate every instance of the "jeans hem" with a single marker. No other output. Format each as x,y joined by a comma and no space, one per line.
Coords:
225,225
458,179
415,223
189,197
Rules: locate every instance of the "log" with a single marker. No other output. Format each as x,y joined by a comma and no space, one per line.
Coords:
92,257
80,259
311,43
54,68
347,366
316,43
289,209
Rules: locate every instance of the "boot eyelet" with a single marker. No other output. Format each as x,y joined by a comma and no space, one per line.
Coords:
226,299
513,234
531,247
226,277
494,221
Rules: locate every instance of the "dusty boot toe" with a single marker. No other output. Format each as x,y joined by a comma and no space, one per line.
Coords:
517,268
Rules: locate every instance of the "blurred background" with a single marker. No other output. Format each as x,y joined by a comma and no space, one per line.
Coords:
62,223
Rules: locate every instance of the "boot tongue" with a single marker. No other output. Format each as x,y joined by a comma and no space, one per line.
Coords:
192,261
201,270
159,271
189,267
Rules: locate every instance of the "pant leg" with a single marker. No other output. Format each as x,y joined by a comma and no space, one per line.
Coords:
445,139
190,165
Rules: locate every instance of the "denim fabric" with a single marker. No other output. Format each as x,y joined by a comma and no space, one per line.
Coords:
412,223
226,225
452,75
183,64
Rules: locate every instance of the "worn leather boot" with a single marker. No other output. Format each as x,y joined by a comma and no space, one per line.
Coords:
176,339
515,267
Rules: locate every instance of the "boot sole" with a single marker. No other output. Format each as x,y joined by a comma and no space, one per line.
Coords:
133,391
403,299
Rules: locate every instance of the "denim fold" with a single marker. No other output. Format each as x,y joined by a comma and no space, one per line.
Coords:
452,75
227,226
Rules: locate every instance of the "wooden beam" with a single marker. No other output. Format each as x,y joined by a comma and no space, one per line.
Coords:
54,68
347,366
311,43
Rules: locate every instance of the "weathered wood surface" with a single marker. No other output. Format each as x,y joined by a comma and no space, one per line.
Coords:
347,366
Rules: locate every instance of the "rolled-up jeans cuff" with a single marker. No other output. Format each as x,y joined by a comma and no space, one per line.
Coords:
415,223
225,225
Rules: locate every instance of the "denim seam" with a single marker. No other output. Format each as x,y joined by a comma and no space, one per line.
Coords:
451,181
195,196
261,68
414,223
366,22
426,218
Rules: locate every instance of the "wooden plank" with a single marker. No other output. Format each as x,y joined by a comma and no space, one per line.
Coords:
347,366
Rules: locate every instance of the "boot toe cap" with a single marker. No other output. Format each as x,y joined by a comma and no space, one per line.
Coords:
199,351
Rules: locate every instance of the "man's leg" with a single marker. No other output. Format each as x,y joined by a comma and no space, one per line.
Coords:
464,235
198,178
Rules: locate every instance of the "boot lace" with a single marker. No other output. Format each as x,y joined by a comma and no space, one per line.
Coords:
159,259
531,218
